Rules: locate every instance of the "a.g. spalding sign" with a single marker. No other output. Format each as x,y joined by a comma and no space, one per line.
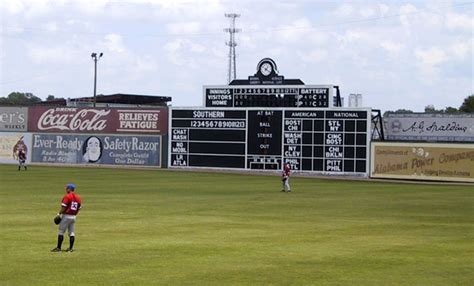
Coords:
97,120
430,127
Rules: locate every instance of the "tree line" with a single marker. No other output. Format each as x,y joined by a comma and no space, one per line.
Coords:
467,106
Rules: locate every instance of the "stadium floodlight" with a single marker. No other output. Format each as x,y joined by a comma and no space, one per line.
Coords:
95,59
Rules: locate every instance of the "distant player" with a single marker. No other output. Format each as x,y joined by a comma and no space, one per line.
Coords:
70,206
20,151
285,178
21,159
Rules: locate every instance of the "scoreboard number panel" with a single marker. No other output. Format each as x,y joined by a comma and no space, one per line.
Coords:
333,141
306,96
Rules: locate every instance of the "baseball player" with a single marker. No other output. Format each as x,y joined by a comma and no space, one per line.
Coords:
21,159
285,178
70,206
19,152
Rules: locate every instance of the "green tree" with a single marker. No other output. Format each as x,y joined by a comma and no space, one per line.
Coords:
450,109
397,111
20,98
468,104
431,109
51,97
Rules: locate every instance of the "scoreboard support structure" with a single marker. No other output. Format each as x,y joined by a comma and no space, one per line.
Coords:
320,141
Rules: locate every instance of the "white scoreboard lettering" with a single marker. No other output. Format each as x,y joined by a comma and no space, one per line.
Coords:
312,140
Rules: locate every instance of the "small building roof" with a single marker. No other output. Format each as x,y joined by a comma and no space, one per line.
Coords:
117,98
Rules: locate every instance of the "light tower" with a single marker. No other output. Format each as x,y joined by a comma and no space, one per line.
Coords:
95,57
232,73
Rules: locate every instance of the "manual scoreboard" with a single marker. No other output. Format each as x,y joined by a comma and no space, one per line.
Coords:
312,96
313,140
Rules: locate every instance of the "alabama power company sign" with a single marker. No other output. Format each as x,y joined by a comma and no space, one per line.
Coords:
97,120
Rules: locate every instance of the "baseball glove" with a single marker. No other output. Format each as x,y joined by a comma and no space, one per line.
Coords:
57,219
284,178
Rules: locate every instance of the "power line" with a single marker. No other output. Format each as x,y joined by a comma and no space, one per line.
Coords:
246,31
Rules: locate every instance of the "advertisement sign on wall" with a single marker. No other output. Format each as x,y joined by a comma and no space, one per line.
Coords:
10,143
97,120
137,150
423,161
13,118
429,127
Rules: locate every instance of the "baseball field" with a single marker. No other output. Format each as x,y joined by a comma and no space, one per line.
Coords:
144,227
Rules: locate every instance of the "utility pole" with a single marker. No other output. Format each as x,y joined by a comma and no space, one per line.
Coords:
232,72
95,58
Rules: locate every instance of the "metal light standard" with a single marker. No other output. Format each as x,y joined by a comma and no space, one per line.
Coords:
95,58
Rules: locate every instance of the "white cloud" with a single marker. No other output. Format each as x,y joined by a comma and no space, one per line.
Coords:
31,8
12,7
50,54
431,57
383,9
295,31
367,12
145,65
184,27
406,11
344,10
177,51
459,21
313,56
462,50
91,6
353,35
51,27
393,48
114,43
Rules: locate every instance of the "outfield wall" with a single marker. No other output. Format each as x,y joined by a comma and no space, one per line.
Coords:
422,161
99,149
85,136
8,141
429,127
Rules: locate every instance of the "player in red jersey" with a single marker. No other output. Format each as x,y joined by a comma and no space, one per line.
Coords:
285,178
70,206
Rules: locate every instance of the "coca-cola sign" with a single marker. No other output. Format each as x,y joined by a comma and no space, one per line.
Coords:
97,120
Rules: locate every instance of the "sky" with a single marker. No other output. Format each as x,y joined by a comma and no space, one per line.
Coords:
397,54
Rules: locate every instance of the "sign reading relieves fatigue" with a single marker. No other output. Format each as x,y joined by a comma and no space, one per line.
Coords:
13,118
423,161
429,127
98,120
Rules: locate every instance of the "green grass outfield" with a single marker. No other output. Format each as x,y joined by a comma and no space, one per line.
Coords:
142,227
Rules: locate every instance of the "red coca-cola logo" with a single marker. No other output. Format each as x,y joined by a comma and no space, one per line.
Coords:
82,120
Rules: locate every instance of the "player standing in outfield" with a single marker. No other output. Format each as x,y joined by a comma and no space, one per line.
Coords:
19,152
70,206
21,159
285,178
